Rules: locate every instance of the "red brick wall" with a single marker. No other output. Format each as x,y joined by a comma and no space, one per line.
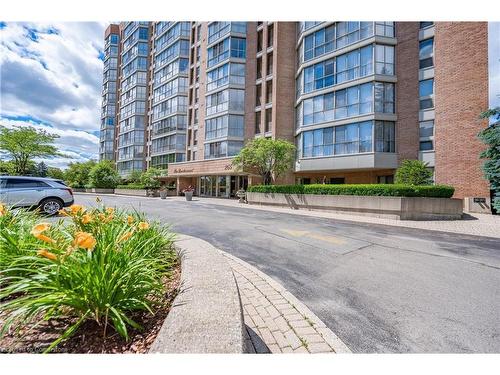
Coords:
461,91
407,103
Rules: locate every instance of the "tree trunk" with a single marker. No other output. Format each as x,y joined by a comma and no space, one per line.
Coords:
266,177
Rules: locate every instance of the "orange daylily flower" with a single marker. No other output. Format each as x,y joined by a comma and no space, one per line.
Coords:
47,254
130,219
63,212
38,230
101,217
143,225
3,210
110,210
84,240
76,208
126,236
86,218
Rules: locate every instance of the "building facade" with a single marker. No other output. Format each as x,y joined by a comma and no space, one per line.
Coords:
356,98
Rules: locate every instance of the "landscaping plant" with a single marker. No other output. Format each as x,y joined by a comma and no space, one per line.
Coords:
270,158
103,175
101,265
491,167
390,190
413,172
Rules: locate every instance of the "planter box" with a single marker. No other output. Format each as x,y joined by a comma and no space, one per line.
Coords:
402,208
103,191
134,192
79,190
138,192
89,190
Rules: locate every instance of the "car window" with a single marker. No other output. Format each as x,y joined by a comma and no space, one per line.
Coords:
60,182
18,183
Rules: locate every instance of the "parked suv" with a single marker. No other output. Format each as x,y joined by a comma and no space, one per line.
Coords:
48,194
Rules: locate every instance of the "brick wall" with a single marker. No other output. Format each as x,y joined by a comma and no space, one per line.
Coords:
407,103
461,91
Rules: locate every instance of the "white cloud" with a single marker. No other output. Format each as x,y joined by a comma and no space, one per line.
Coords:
52,73
77,145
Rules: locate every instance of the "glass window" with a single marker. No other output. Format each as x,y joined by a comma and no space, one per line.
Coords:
18,183
218,77
426,145
426,91
238,47
269,120
384,136
384,60
319,43
218,52
426,87
217,102
426,53
365,136
269,91
425,24
217,30
384,97
179,48
269,64
257,122
384,29
270,35
427,129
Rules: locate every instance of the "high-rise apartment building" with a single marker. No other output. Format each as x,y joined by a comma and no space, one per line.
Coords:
356,98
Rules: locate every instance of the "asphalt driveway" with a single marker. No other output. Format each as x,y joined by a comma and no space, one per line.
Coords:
379,288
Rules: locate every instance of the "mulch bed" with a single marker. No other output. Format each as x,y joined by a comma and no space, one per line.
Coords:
89,338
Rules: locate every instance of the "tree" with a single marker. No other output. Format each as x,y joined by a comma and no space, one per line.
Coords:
270,158
491,167
149,179
42,169
7,168
103,175
134,177
24,143
56,173
413,172
77,174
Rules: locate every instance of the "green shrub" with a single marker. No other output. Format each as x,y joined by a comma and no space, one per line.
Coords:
103,175
413,172
149,178
103,265
134,186
15,238
434,191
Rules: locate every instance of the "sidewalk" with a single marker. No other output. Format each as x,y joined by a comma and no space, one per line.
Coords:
474,224
276,322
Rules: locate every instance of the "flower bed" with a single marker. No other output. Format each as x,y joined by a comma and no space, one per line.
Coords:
388,190
101,281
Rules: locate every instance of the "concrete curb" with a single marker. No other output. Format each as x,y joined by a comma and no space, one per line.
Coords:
207,316
331,338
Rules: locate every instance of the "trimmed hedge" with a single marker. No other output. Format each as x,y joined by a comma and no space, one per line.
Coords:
389,190
131,186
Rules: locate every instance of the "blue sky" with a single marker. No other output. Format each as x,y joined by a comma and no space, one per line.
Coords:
50,78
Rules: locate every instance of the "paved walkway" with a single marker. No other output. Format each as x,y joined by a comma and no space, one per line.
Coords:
275,320
473,224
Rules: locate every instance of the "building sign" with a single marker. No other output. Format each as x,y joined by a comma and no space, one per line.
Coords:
183,170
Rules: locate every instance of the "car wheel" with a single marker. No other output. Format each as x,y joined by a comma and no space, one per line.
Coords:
51,206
